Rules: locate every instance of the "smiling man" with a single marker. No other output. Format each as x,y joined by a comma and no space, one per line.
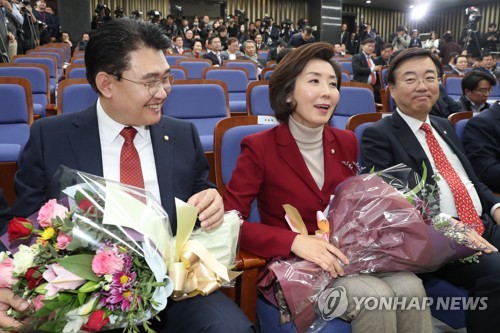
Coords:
126,66
412,137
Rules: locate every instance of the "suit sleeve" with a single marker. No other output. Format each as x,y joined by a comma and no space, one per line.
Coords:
358,68
376,152
243,188
201,167
482,146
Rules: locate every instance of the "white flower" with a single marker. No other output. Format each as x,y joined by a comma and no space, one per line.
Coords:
79,316
23,259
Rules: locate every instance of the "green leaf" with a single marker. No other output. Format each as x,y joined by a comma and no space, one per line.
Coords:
82,297
79,264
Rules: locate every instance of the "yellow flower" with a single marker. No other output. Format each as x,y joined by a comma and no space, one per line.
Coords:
48,233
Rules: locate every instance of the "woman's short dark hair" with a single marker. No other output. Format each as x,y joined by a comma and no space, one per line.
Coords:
414,52
282,83
110,47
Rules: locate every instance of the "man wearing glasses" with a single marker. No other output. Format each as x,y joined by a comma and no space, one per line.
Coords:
476,88
126,66
412,137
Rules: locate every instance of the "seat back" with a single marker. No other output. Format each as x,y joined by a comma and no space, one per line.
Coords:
345,76
266,73
453,85
179,72
250,65
60,47
227,138
59,54
172,58
17,111
354,99
203,102
346,66
194,67
74,95
258,102
47,60
263,53
76,71
236,79
495,92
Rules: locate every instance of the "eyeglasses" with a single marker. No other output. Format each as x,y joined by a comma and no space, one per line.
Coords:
484,91
413,82
153,86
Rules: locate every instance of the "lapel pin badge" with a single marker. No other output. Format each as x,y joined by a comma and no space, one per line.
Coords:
166,138
332,151
445,132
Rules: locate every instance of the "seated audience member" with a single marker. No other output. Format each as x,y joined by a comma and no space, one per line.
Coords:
415,40
447,48
66,39
301,38
460,63
83,43
178,45
364,69
450,66
338,51
233,49
126,66
486,64
188,39
259,45
251,54
292,164
481,142
343,49
283,53
385,55
273,53
197,49
412,137
214,54
432,41
476,87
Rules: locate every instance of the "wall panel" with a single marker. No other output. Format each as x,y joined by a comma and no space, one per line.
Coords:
278,9
131,5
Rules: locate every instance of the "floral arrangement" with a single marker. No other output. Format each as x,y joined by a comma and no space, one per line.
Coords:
80,273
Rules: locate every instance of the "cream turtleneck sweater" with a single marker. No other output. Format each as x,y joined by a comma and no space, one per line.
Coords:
310,143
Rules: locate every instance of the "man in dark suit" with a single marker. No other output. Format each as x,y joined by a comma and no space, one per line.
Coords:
133,81
482,145
214,54
486,64
445,105
364,69
412,137
476,87
415,40
345,36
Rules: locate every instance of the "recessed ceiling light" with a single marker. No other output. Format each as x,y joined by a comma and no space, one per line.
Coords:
368,1
411,6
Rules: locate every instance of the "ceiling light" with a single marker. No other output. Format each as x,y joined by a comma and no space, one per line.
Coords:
368,1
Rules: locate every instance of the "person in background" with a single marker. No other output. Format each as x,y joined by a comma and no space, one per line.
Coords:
447,47
432,41
301,38
476,87
65,38
486,64
233,49
490,39
460,64
197,49
273,53
214,54
385,55
415,40
250,50
82,44
300,162
401,40
364,68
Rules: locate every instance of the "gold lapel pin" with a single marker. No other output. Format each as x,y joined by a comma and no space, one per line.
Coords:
166,138
332,151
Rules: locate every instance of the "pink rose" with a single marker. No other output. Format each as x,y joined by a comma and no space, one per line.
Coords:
63,240
6,272
50,211
106,262
38,302
59,278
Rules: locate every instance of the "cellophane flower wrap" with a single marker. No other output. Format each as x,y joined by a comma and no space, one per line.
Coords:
387,221
92,261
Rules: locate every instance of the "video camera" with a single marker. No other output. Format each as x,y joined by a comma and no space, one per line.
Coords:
154,15
474,16
136,15
241,16
267,21
100,9
26,2
119,12
286,24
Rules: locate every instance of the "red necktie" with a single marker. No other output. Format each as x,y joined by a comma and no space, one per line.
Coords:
372,74
465,208
130,163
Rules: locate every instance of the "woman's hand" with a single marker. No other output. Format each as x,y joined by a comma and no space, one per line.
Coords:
8,300
320,252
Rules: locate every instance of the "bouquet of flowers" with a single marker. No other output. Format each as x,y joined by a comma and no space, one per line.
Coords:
95,262
383,222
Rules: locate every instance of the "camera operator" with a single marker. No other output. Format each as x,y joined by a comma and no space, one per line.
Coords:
119,13
367,32
270,32
48,26
491,39
401,40
232,27
14,21
287,30
301,38
102,15
30,31
56,22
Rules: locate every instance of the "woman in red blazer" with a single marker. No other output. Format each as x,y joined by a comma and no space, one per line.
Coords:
301,162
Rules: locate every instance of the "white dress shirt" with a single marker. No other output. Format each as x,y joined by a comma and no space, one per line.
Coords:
111,145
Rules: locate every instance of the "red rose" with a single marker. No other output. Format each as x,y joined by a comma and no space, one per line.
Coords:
87,206
19,228
34,277
96,321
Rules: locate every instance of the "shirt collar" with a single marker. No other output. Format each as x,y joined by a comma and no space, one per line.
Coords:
413,123
112,127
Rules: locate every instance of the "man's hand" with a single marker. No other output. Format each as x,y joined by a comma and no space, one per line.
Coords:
320,252
210,208
9,300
